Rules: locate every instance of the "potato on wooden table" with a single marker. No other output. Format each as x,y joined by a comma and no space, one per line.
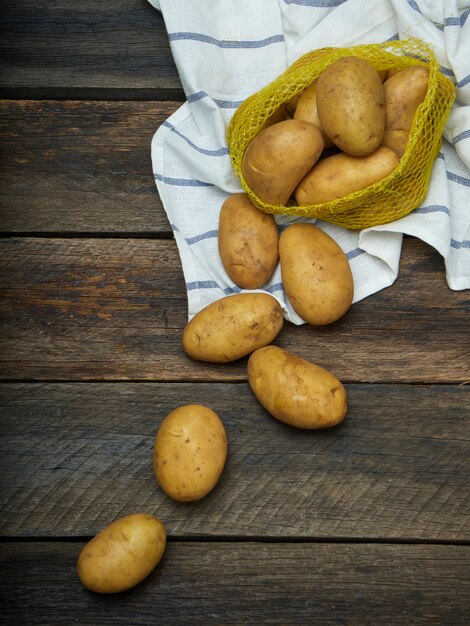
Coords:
122,554
295,391
232,327
190,452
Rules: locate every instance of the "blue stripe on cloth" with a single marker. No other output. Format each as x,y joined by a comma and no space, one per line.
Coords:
221,43
275,287
394,37
433,208
211,284
465,134
210,234
202,284
458,179
223,104
460,244
464,81
352,254
229,290
181,182
218,152
319,4
414,6
457,21
446,71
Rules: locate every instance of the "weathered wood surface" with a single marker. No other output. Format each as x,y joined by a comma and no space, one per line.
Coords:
80,167
248,583
99,48
102,309
76,456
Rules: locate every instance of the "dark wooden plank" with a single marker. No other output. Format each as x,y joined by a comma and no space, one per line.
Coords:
80,167
101,309
74,456
99,48
248,583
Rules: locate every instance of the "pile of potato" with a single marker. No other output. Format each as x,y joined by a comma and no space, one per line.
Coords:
348,109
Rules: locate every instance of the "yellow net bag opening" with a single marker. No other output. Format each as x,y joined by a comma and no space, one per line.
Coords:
388,199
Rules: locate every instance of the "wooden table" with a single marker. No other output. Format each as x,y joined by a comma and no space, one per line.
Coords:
366,523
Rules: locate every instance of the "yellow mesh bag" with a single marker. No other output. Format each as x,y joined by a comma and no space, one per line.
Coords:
392,197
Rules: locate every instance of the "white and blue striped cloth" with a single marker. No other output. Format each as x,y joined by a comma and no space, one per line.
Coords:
224,51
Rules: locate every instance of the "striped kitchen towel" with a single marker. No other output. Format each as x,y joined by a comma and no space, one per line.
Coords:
225,51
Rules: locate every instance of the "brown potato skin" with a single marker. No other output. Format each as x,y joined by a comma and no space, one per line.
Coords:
248,241
316,274
342,174
350,102
294,391
404,92
278,158
232,327
190,452
307,110
122,554
396,140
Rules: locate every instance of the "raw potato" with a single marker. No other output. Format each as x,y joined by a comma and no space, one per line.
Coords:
350,101
341,174
122,554
278,158
295,391
232,327
316,274
190,452
396,140
404,92
307,110
248,242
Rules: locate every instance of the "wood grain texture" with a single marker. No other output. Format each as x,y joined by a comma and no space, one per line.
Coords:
101,309
80,167
248,583
75,456
95,49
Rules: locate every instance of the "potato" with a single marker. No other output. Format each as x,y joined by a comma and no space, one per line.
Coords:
295,391
122,554
190,452
232,327
278,158
316,274
342,174
396,140
350,102
307,110
248,242
404,92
